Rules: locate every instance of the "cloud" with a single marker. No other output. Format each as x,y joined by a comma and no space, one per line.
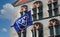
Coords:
4,30
7,11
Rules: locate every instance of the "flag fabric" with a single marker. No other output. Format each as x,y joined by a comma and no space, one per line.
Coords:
16,27
23,1
23,22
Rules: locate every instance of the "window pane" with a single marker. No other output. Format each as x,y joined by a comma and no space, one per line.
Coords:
40,9
57,28
50,13
34,17
57,36
33,33
50,6
34,10
40,32
40,15
24,33
55,5
21,13
51,31
19,34
56,12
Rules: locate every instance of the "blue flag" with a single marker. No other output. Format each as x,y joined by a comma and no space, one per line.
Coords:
23,22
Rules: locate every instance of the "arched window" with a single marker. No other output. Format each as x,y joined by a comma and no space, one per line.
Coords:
51,28
21,13
37,30
34,9
22,33
33,32
54,27
24,9
19,34
50,8
53,3
37,10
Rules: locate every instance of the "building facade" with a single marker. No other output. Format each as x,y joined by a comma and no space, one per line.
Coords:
46,18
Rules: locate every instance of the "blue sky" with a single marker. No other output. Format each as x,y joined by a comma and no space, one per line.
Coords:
5,18
2,2
5,27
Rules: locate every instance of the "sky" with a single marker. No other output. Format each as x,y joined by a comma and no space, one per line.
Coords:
6,16
2,2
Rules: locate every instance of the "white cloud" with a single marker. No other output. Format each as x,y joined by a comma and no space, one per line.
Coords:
4,30
7,11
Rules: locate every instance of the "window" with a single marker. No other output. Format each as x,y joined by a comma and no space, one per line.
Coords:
55,11
40,9
50,4
54,26
57,27
19,34
38,30
40,15
51,31
40,12
50,13
33,32
50,8
34,17
21,13
24,33
51,28
55,4
34,10
37,10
